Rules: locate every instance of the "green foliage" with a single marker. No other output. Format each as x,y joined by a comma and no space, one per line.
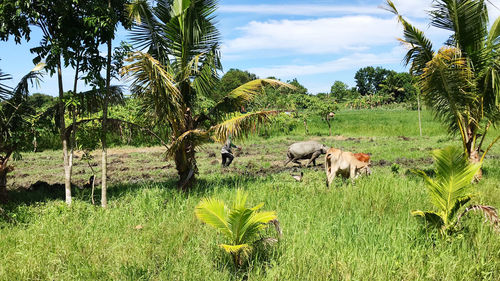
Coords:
16,114
399,86
461,81
450,190
233,79
341,92
239,224
369,79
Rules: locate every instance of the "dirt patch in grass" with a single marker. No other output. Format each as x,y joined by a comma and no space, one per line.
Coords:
408,162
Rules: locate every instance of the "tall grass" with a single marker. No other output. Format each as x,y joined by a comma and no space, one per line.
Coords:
351,232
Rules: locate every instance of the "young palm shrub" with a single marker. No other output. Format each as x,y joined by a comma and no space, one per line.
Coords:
239,224
450,190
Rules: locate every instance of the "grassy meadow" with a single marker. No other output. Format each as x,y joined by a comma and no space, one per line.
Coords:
360,231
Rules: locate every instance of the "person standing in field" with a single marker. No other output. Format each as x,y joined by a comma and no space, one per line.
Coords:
226,152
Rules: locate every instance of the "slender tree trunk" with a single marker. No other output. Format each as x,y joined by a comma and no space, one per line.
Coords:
35,143
418,109
72,143
104,160
305,126
329,125
62,126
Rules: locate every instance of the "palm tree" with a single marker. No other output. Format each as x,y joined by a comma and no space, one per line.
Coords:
14,124
450,190
461,81
239,224
180,67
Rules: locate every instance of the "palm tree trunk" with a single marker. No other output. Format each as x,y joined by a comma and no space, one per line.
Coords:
104,155
185,163
62,128
185,159
3,178
473,151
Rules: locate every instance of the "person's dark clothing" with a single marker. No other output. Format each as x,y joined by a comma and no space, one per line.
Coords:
227,158
227,154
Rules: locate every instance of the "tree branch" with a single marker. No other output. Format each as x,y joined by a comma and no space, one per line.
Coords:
69,129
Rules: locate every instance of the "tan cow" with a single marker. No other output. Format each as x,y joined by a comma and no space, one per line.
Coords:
344,163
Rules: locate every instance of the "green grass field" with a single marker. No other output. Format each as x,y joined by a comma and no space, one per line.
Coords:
351,232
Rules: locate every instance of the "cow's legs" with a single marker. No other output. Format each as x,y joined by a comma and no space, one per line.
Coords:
331,176
313,158
289,157
327,172
352,173
296,160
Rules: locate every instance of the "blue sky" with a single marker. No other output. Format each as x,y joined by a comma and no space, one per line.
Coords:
317,41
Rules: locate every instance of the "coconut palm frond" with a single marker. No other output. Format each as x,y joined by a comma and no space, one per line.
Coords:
235,249
146,32
453,176
468,20
204,69
451,189
240,224
30,79
243,94
494,34
214,213
489,212
5,90
194,22
447,86
197,137
155,85
240,125
432,218
419,47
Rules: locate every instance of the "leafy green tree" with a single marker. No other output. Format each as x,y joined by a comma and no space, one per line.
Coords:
233,79
450,191
181,65
63,28
369,79
340,91
14,124
399,86
460,82
239,224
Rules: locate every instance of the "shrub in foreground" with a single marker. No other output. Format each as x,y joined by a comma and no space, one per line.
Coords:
239,224
451,190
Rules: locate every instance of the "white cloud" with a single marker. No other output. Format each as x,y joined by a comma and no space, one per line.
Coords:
316,36
300,10
350,62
